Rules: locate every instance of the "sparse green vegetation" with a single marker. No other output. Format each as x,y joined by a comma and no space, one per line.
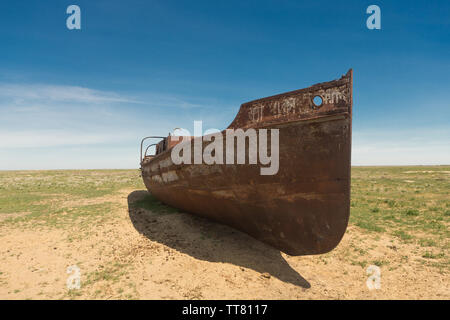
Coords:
412,212
427,243
149,202
410,203
109,273
402,235
430,255
380,263
59,198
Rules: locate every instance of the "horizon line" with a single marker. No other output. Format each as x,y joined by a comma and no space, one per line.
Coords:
105,169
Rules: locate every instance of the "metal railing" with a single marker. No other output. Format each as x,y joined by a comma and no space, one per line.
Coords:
142,144
150,145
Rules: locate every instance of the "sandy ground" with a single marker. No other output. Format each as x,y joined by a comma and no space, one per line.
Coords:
139,254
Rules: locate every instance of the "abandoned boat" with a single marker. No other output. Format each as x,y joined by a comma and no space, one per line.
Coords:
304,207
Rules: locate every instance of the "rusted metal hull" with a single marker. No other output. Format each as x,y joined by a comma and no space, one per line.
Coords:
301,210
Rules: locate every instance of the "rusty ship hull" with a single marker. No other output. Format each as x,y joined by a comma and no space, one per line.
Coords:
304,208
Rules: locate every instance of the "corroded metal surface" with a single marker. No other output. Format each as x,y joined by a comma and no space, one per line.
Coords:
304,208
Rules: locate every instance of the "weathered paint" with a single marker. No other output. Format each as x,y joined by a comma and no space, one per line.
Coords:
304,208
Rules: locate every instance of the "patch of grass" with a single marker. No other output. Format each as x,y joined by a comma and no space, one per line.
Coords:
412,212
403,235
39,196
14,202
391,203
23,185
62,217
362,263
111,273
361,251
430,255
149,202
369,225
427,243
73,293
380,262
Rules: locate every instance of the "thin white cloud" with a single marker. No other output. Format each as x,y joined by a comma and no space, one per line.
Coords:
24,93
43,126
40,97
174,101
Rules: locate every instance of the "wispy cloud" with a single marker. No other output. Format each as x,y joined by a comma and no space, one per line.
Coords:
48,106
20,93
172,101
42,125
33,97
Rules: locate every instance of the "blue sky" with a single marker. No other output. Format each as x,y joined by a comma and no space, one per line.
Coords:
84,98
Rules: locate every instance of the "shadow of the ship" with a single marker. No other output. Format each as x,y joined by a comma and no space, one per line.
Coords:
205,240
